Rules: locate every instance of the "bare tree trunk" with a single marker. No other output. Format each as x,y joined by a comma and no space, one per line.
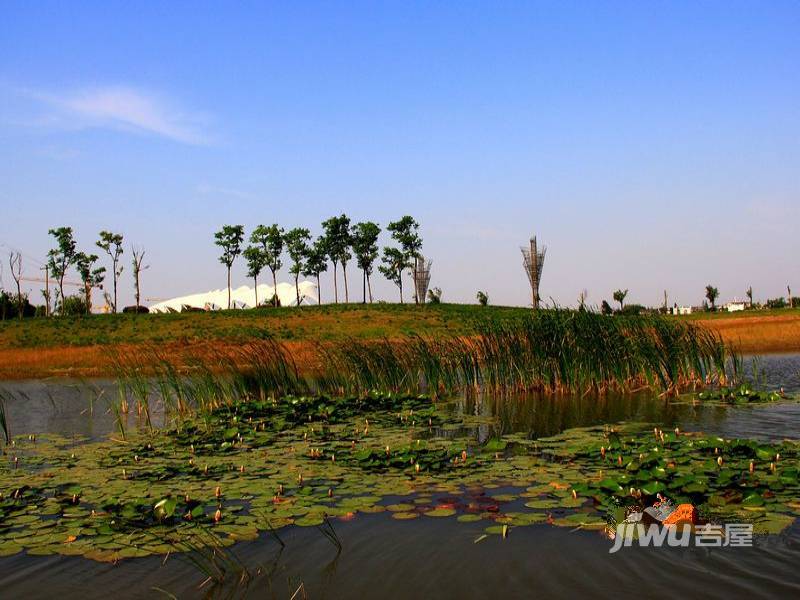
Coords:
344,271
319,294
369,288
47,290
274,290
401,289
87,291
229,288
297,288
364,286
114,265
15,262
255,289
335,285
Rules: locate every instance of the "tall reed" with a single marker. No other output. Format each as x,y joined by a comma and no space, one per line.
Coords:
552,351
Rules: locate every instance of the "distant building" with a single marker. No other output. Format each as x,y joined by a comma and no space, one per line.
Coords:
681,310
735,306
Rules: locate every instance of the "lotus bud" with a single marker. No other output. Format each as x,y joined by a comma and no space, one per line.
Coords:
716,450
188,515
772,467
136,457
464,456
633,492
603,451
330,492
280,489
186,498
677,431
300,478
497,456
72,455
217,516
217,492
641,456
387,450
752,467
353,445
619,460
205,470
719,461
74,498
574,494
124,474
241,469
333,458
777,457
191,448
655,431
416,467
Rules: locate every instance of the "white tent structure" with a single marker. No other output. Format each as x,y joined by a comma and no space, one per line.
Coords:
241,297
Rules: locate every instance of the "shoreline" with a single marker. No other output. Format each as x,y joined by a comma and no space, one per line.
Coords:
196,334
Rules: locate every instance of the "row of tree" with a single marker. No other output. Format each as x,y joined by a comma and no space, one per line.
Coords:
66,255
711,295
339,242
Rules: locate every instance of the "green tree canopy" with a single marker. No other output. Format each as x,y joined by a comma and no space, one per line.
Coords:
62,257
90,276
619,296
230,239
316,262
297,245
394,262
364,238
269,238
111,244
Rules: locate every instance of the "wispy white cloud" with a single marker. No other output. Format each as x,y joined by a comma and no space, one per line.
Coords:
122,108
213,190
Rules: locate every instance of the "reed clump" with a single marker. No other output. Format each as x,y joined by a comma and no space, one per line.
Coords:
551,351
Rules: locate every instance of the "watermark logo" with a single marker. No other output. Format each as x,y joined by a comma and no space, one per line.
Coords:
681,535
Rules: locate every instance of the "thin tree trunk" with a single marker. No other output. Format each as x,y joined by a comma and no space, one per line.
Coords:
344,271
335,285
47,290
255,288
229,288
364,285
114,265
401,289
369,287
297,288
274,290
19,299
61,291
319,293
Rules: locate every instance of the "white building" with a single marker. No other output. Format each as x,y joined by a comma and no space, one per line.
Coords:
735,306
241,297
681,310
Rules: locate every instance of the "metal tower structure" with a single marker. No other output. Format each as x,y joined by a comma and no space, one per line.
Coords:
533,261
422,277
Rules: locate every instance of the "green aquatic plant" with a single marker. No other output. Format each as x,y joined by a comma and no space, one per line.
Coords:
742,394
252,467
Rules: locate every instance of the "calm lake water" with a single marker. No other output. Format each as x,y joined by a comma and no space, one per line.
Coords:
437,558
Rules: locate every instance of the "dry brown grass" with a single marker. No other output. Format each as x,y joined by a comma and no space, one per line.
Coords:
758,334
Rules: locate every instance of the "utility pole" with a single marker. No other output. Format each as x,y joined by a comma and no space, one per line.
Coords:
46,290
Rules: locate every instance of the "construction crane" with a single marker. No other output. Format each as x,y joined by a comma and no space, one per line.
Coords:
47,281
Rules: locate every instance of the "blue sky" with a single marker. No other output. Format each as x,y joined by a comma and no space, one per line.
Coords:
651,146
